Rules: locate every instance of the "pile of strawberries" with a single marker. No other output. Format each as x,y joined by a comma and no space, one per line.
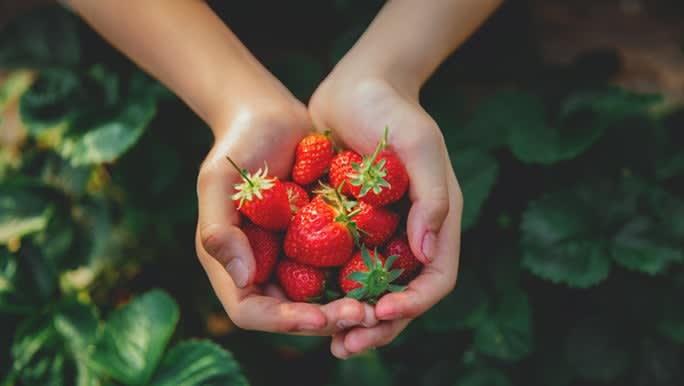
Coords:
335,223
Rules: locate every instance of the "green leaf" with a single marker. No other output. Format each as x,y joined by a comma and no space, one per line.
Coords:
358,276
49,103
131,344
597,351
558,242
198,363
465,307
12,87
507,333
22,212
495,118
300,73
477,172
639,246
77,324
484,377
34,338
108,139
47,370
47,37
610,104
357,293
366,369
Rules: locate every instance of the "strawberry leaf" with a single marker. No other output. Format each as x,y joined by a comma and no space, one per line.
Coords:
358,276
394,274
357,293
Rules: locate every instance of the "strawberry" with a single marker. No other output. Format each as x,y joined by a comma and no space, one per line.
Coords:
381,178
262,199
301,283
266,248
376,224
321,234
312,158
297,196
341,167
405,259
367,276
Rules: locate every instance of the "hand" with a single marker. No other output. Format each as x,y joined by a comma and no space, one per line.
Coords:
357,111
251,135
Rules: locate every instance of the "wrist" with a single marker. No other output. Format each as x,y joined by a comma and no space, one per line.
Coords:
352,73
259,100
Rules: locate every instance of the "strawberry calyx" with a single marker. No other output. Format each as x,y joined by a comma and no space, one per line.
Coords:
345,209
252,185
377,280
369,175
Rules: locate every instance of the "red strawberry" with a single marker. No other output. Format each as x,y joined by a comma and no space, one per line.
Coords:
380,179
376,224
405,259
312,158
321,234
262,199
300,282
266,248
341,167
297,196
367,276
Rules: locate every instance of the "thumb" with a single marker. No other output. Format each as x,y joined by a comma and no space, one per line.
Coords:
430,201
218,220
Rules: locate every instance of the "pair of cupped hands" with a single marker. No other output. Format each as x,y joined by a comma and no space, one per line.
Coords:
266,125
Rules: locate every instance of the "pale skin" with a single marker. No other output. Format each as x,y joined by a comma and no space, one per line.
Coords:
254,118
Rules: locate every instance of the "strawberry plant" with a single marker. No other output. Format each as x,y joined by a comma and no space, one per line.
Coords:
571,269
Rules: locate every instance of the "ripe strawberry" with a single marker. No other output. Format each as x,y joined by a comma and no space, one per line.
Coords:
321,234
266,248
312,158
405,259
367,276
262,199
379,179
341,167
376,224
300,282
297,196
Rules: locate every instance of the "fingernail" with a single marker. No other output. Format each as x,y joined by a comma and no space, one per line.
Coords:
342,324
238,271
429,245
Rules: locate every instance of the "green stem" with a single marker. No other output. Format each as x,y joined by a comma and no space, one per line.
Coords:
242,172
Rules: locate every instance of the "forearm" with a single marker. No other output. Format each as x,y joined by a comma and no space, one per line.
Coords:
189,49
409,39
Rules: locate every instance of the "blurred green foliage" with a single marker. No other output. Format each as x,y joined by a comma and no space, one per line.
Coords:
571,265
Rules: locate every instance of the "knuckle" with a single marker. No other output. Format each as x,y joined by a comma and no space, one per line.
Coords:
210,171
210,237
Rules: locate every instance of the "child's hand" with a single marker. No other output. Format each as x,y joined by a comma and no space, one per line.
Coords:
254,134
357,111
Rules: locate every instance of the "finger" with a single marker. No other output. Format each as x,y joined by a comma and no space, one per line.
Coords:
369,319
337,346
435,280
429,194
250,310
342,314
218,220
361,339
